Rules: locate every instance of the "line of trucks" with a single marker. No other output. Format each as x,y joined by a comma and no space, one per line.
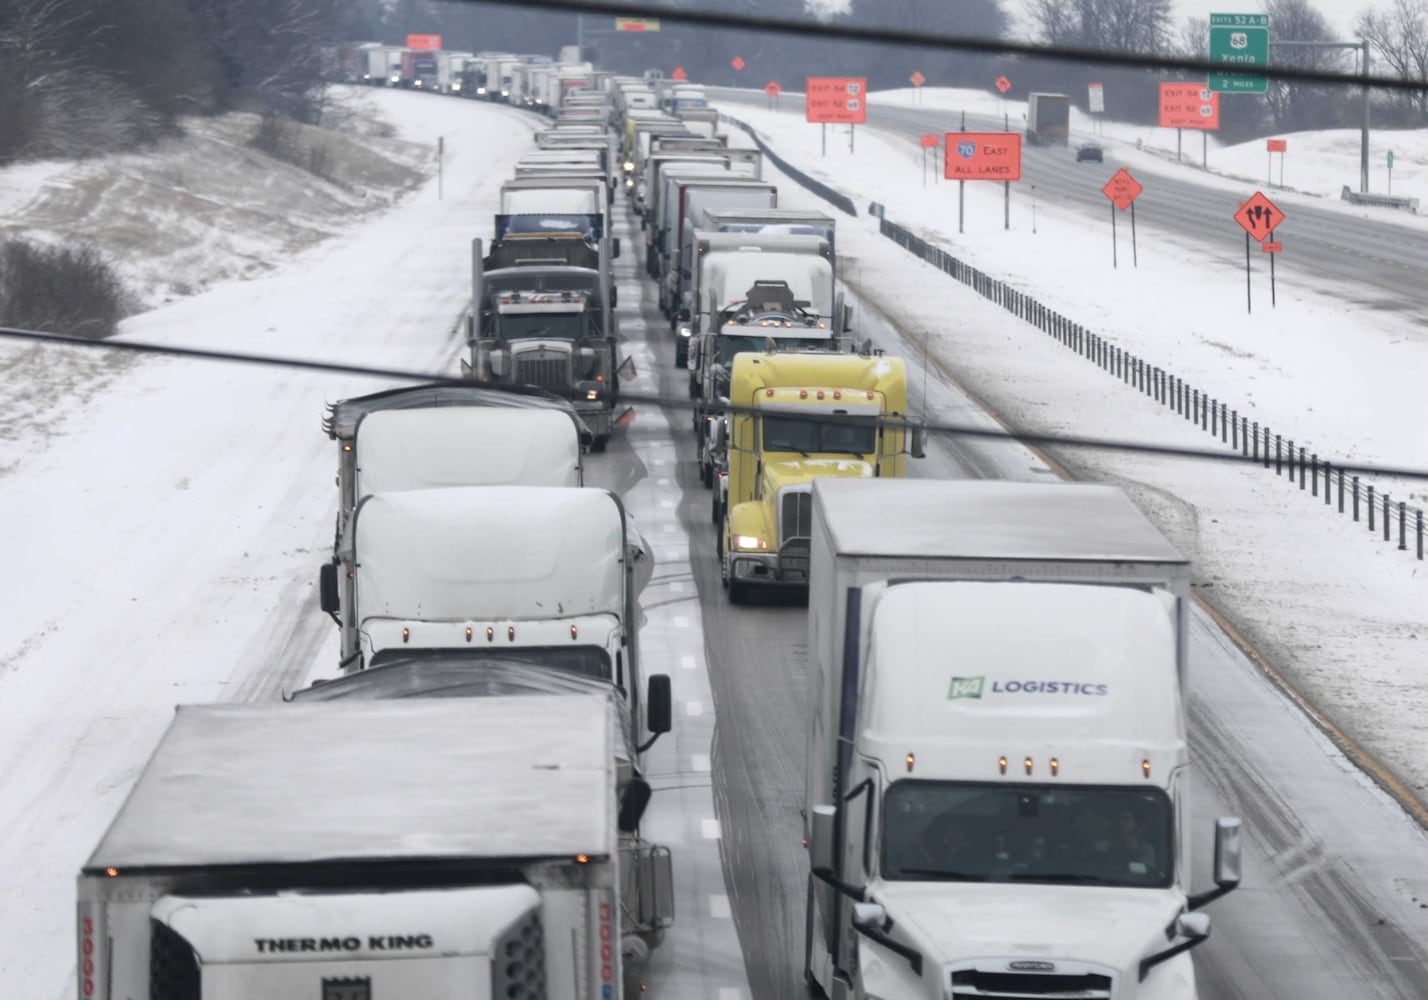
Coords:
997,783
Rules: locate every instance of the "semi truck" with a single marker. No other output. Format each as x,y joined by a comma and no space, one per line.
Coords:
346,850
420,70
998,794
683,203
547,571
1048,120
546,323
798,418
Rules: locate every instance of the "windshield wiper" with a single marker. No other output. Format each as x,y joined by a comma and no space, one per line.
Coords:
941,875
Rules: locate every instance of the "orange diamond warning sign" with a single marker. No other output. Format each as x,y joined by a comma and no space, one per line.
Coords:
1122,189
1259,217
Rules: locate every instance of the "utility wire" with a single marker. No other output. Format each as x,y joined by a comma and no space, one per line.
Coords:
675,402
859,32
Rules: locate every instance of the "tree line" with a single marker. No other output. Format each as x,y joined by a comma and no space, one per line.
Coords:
84,76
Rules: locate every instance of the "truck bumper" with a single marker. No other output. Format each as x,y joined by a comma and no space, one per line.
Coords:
769,569
598,417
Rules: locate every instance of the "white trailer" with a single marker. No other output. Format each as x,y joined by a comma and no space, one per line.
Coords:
997,785
420,849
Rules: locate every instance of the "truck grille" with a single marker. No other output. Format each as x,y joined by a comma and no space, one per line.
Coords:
547,373
795,518
173,967
518,961
973,984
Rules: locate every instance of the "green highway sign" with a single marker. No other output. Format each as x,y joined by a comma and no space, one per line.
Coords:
1390,159
1239,40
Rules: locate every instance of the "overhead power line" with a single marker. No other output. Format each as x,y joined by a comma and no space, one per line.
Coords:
861,32
670,402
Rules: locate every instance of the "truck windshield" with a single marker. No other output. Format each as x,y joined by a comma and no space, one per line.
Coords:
1082,835
546,326
460,670
730,346
856,436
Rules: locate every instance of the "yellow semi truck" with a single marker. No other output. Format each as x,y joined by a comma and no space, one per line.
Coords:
796,417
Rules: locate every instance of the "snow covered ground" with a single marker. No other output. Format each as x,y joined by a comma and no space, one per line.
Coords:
1316,165
1338,613
177,519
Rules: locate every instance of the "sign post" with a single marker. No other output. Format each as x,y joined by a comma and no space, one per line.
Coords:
836,100
1096,103
1122,190
773,90
980,156
1390,172
1273,146
1239,41
929,142
1258,217
917,80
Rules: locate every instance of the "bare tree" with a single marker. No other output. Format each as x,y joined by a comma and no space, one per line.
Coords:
1299,105
1399,33
1194,39
1125,25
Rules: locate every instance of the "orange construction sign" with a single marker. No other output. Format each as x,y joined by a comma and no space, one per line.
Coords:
1259,217
982,156
679,74
837,100
931,141
738,62
1271,247
1003,84
1122,189
772,88
917,78
428,43
1277,145
1189,105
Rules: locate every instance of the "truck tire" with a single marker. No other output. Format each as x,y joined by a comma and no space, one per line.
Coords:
681,352
718,512
598,444
739,591
706,474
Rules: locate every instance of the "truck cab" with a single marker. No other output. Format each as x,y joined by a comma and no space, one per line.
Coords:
798,418
998,770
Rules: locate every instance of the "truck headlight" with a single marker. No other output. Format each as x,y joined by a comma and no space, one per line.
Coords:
686,331
629,166
749,542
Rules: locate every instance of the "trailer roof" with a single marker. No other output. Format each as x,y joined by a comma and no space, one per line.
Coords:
513,777
988,519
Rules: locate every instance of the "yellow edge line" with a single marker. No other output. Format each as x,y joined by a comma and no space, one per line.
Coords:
1361,758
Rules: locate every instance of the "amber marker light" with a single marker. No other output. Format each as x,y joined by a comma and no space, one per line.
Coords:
468,633
1055,767
406,635
911,760
490,634
1145,768
1027,762
582,859
510,633
111,872
573,632
1002,763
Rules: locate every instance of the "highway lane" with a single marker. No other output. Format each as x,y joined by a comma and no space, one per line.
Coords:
1335,873
1378,263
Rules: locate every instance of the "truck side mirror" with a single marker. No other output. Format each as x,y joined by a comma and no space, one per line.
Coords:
1191,928
917,443
465,368
633,801
870,917
1227,852
847,318
820,840
659,710
1227,862
327,588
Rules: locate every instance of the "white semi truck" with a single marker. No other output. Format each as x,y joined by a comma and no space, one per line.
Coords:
347,851
997,785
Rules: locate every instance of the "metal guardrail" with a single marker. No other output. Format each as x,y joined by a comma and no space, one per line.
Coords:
1381,200
1313,475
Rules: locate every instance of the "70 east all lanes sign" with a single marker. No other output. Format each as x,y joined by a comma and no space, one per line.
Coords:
982,156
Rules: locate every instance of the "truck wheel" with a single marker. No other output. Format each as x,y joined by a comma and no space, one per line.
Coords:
681,352
706,474
694,386
598,444
718,512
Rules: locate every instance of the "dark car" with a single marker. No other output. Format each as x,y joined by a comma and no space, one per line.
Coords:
1090,152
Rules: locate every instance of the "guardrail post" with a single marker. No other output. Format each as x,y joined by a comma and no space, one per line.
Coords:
1402,524
1326,482
1314,474
1256,440
1301,468
1387,527
1369,499
1235,429
1224,431
1291,461
1341,491
1278,454
1215,417
1205,411
1420,535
